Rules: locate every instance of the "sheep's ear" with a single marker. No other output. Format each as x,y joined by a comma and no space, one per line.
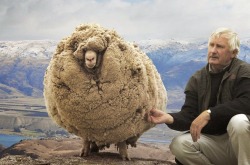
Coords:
107,39
122,46
79,53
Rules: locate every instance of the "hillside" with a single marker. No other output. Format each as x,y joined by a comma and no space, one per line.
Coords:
66,151
23,63
9,92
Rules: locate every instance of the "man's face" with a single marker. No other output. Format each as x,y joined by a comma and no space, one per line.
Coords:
219,54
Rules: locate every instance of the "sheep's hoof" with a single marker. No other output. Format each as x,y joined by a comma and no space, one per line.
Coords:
126,158
122,147
84,152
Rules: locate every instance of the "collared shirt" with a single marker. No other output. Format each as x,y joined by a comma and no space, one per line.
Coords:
211,70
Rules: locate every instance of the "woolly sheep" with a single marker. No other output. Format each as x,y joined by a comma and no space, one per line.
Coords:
100,88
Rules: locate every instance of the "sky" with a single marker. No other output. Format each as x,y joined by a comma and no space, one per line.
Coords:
134,20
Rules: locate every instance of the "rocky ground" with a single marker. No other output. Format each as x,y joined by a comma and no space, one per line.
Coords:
66,151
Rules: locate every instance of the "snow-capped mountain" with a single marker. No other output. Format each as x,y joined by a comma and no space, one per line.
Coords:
177,60
25,49
23,64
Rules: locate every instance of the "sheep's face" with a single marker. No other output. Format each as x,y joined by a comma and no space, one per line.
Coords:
90,58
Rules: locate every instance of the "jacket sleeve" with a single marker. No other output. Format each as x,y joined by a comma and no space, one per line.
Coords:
189,111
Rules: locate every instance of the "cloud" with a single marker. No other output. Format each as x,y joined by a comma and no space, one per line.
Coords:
133,20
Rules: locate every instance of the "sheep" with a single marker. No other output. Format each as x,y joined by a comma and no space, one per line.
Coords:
100,88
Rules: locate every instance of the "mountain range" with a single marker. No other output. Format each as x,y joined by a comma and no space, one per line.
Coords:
23,64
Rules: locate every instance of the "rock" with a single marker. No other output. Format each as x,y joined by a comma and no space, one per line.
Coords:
66,151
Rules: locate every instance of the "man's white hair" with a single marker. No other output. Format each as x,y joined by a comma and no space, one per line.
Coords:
233,40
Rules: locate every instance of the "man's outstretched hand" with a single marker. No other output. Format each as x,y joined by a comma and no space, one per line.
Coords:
158,117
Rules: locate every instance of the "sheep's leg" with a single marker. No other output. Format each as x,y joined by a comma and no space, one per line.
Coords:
85,148
122,148
94,147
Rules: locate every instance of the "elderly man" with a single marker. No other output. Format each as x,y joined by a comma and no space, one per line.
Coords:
216,110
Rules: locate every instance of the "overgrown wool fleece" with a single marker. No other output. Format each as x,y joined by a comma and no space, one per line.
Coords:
107,106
